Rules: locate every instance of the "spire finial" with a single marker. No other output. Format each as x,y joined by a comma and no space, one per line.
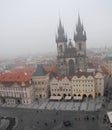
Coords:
79,21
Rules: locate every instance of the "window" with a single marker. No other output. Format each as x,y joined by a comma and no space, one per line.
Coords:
80,46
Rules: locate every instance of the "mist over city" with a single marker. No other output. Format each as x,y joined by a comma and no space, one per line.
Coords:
55,65
29,27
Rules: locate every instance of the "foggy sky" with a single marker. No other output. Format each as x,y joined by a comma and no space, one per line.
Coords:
29,26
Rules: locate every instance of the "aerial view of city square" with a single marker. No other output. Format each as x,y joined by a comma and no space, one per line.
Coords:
55,65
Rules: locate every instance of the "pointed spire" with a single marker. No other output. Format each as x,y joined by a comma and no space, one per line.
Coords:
60,25
79,21
61,34
80,33
66,37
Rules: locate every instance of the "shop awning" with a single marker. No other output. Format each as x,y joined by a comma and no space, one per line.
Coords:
55,97
68,98
77,97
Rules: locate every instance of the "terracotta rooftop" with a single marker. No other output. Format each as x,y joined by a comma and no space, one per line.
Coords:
28,70
104,70
50,69
62,77
86,74
15,77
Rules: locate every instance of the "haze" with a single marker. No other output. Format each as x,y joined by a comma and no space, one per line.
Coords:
29,26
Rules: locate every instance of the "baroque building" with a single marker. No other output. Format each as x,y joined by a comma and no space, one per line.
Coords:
41,83
16,88
78,87
71,58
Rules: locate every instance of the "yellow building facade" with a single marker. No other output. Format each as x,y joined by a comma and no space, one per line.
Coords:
40,83
41,86
60,87
82,85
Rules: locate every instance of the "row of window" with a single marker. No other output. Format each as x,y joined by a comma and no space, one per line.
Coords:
38,83
10,101
78,81
75,90
65,84
84,85
13,89
10,94
61,90
25,101
86,90
78,85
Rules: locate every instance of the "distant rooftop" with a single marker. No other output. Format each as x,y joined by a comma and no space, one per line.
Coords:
108,58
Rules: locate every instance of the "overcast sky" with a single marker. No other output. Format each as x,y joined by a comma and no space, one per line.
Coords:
29,26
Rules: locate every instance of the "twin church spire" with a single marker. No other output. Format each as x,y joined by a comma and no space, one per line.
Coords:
79,35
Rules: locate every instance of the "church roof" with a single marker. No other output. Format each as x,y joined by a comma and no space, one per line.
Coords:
39,71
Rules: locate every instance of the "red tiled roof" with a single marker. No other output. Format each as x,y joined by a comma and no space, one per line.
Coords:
15,77
62,77
104,69
50,69
86,74
27,70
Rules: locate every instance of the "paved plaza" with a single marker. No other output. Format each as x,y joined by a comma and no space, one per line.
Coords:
32,119
56,115
60,115
86,105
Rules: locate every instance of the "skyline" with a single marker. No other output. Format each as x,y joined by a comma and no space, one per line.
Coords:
28,27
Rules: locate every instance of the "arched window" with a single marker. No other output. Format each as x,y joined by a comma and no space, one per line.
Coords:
61,49
71,67
80,46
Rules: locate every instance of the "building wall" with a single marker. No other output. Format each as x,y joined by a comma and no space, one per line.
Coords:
83,86
41,86
60,87
99,84
15,93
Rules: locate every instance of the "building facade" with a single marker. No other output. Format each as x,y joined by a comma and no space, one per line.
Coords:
41,83
71,58
81,85
107,62
16,88
60,88
99,84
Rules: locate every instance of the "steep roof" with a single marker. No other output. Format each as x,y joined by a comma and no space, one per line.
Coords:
39,71
50,69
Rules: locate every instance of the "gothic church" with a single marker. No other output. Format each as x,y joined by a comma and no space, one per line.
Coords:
70,58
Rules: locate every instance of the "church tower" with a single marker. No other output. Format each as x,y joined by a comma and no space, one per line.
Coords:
61,40
80,44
